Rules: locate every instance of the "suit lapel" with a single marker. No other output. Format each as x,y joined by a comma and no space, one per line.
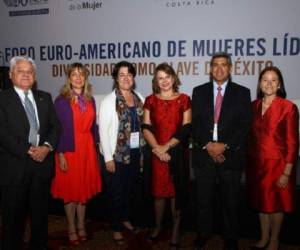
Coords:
16,107
210,101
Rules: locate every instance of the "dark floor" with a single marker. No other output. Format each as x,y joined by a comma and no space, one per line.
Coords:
100,238
97,211
100,235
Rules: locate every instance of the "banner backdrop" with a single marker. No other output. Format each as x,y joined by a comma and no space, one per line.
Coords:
185,33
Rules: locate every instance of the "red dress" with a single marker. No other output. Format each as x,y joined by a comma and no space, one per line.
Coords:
82,179
166,117
273,143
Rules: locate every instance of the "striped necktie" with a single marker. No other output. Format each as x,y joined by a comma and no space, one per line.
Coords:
218,105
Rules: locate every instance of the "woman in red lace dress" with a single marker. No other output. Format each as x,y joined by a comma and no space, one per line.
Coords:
273,150
77,171
167,116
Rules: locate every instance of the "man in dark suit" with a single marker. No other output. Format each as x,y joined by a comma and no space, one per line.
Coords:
28,133
220,120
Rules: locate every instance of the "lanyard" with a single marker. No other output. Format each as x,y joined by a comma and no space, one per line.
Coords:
134,118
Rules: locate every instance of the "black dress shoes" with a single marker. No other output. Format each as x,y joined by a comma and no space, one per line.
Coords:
231,244
200,242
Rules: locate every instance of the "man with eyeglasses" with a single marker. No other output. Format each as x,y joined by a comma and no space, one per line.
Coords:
28,134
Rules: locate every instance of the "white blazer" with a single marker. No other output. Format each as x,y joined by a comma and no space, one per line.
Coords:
109,124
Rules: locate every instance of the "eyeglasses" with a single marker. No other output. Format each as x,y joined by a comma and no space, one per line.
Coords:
124,75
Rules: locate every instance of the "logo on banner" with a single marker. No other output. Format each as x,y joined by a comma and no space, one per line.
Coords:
27,7
186,3
10,3
85,5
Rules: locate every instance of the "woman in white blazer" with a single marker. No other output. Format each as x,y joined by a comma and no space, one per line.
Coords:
120,119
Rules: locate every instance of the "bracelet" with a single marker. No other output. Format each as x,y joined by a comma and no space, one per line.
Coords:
288,175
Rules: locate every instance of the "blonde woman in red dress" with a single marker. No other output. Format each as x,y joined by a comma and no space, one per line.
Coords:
273,150
77,172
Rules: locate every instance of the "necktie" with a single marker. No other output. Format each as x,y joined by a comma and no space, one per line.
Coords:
34,128
218,105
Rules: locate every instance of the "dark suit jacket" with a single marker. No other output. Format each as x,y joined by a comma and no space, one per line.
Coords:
233,126
14,130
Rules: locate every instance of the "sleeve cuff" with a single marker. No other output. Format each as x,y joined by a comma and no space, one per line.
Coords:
47,144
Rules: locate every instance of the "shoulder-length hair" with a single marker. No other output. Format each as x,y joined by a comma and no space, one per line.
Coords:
67,91
169,71
115,73
280,91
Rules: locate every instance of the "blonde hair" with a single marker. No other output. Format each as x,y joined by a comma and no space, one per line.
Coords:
66,90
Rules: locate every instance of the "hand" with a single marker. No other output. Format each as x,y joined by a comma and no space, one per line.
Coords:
165,157
160,149
215,149
38,153
219,158
110,166
283,181
161,152
62,163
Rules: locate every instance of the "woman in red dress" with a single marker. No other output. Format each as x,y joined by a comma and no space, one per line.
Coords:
273,150
77,176
167,115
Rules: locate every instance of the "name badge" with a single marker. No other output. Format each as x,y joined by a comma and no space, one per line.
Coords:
215,133
134,140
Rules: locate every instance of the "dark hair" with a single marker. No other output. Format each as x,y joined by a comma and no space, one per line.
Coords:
169,71
115,72
221,54
280,91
